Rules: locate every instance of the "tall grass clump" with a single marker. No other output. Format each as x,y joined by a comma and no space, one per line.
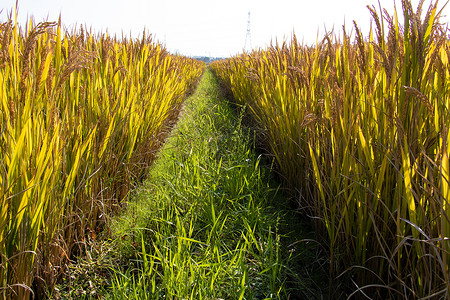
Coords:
360,130
80,120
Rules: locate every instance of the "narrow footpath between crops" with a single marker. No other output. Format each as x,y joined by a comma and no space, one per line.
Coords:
208,223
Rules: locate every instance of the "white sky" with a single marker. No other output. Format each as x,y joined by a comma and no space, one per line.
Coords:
208,27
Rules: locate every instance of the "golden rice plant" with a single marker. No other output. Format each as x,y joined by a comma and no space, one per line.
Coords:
360,131
81,118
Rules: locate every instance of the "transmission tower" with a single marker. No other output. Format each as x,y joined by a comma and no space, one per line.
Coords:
248,37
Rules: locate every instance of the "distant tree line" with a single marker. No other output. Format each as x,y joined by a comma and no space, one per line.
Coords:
207,59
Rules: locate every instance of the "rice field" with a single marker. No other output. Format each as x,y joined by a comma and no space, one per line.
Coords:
359,128
357,124
81,118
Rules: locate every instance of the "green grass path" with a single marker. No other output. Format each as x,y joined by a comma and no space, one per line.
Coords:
209,223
